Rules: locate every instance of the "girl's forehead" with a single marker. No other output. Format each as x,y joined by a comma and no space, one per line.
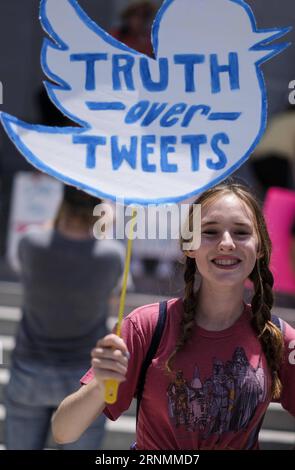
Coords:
227,206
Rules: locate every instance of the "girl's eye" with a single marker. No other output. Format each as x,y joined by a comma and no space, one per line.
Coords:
214,232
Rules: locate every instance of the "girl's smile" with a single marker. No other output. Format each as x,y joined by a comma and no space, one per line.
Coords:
226,262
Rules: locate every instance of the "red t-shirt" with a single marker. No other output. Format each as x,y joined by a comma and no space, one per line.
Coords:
220,390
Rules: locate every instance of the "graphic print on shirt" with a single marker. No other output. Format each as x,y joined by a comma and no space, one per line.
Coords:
224,402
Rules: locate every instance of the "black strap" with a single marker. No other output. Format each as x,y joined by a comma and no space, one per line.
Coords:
157,335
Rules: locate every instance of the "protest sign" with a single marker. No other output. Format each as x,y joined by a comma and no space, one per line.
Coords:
151,129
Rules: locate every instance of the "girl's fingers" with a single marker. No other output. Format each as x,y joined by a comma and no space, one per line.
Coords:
110,353
112,341
108,370
110,359
106,364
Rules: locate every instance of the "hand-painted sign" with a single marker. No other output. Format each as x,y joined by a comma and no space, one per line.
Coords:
151,130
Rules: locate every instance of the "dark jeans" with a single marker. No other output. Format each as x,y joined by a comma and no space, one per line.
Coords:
31,396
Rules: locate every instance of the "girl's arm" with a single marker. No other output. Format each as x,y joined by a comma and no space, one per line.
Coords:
78,411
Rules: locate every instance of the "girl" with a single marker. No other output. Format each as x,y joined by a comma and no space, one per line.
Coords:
219,363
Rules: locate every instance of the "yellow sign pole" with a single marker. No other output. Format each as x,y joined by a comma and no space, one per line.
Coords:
111,386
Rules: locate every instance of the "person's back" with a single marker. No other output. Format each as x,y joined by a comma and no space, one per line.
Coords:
67,284
67,277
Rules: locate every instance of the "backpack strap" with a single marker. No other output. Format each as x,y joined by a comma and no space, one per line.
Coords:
278,322
156,338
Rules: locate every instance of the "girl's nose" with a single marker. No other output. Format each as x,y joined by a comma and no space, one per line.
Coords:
226,242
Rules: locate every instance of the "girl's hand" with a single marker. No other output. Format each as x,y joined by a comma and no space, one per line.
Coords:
110,359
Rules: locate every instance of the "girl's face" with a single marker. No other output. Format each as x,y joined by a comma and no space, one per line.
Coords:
229,242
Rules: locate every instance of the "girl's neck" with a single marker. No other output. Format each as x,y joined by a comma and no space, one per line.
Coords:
218,308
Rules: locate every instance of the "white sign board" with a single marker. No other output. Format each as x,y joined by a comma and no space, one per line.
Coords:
151,130
35,199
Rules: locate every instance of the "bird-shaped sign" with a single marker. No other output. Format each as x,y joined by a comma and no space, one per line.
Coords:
151,130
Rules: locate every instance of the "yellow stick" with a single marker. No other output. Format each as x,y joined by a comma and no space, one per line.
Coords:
111,386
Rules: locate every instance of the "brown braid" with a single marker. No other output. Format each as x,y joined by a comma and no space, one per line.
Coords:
270,336
189,303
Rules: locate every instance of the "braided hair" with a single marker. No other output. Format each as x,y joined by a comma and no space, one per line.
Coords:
269,335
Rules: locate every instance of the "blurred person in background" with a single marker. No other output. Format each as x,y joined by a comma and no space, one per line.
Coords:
68,277
279,212
135,27
273,161
273,164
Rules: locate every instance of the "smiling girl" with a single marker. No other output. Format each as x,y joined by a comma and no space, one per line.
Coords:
220,361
